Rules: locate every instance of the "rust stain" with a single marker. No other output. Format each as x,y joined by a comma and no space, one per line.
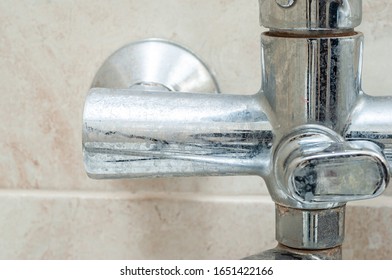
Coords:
283,210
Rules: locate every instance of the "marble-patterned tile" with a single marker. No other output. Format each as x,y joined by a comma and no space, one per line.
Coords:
368,230
376,27
121,225
47,225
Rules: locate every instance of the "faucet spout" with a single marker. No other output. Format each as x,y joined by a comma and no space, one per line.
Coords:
142,133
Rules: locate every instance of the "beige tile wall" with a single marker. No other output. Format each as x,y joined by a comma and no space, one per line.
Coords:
49,53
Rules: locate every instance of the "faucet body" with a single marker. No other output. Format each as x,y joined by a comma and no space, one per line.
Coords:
311,132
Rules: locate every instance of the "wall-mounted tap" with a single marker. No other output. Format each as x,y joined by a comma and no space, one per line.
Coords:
315,137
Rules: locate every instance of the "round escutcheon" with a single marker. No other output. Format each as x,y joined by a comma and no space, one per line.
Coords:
158,63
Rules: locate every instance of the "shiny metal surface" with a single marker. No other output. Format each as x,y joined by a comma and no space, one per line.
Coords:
315,15
311,133
134,133
156,62
308,81
311,80
317,166
310,229
285,3
371,120
282,252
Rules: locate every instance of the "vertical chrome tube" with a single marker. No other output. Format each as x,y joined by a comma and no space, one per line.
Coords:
311,66
305,15
311,80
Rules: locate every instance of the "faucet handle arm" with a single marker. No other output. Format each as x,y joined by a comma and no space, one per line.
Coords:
319,168
139,122
141,133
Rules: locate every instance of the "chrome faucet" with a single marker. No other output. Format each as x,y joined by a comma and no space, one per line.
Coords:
311,132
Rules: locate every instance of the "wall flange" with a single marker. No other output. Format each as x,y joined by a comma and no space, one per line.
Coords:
156,62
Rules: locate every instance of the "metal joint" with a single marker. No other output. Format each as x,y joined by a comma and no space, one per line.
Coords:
310,229
310,15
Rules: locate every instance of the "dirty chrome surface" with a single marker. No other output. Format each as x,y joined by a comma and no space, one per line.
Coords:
321,229
311,132
286,253
330,15
134,133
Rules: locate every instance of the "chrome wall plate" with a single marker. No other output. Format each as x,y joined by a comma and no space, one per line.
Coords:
156,62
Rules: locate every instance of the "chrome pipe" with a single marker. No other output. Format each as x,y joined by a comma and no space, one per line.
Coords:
372,120
312,79
311,15
142,133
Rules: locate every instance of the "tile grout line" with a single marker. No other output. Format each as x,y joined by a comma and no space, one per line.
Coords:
382,201
124,195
